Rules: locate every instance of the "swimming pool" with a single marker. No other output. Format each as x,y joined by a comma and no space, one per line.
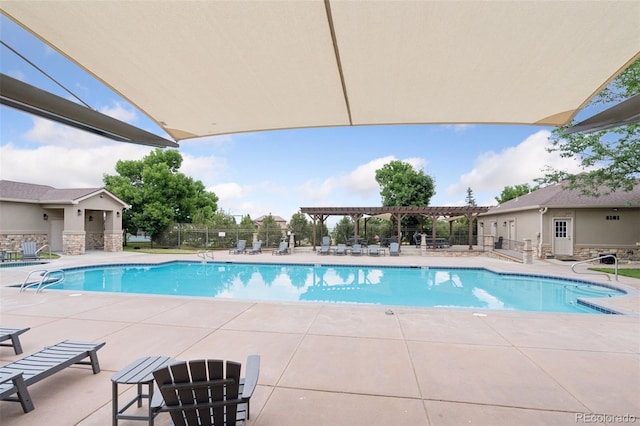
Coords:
475,288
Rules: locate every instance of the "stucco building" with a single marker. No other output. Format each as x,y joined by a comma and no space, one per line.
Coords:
69,221
563,223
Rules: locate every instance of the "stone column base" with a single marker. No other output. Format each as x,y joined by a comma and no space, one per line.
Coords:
73,243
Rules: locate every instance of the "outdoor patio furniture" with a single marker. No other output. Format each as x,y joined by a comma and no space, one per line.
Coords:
394,249
283,248
29,251
341,250
12,334
356,250
373,250
498,244
16,376
201,392
257,248
325,247
241,247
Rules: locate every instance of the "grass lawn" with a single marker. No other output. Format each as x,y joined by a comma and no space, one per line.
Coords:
627,272
146,248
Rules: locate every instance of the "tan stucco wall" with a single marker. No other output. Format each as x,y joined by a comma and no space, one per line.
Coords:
592,234
22,218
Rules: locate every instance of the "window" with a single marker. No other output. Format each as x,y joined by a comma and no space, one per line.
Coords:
561,229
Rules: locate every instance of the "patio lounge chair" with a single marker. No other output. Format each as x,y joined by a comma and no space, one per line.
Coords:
325,247
16,376
341,250
394,249
200,393
257,248
12,334
283,248
356,250
29,251
373,250
240,248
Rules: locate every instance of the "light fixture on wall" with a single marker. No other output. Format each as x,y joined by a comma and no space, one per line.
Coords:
79,212
45,217
117,214
90,218
504,223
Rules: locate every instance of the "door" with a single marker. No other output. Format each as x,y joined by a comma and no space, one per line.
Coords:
562,241
55,234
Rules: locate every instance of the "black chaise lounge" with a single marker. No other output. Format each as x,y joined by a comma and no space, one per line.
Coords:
15,377
12,334
200,392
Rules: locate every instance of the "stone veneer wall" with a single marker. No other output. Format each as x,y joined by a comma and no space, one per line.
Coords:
14,241
113,242
95,241
73,243
585,253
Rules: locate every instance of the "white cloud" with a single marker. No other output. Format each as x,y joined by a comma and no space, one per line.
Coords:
120,112
65,166
515,165
361,182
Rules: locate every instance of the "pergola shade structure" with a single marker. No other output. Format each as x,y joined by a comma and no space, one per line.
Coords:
217,67
320,214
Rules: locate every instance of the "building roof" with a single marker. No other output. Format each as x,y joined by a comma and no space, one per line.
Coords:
556,196
33,193
230,67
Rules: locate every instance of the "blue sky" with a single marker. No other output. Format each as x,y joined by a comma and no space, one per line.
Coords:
273,172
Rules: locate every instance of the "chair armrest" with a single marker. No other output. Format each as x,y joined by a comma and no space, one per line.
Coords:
251,376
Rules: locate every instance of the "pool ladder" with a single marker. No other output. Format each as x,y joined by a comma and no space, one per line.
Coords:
615,259
47,279
204,254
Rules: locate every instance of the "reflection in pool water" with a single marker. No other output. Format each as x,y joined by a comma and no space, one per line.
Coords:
405,286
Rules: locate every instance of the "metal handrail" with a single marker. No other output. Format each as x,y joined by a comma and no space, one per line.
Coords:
615,259
44,274
204,254
50,283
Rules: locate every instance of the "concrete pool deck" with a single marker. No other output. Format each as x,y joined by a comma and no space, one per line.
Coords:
332,364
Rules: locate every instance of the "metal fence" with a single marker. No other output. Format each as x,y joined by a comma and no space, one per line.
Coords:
203,237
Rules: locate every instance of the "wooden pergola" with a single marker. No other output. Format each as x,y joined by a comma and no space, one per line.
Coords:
320,214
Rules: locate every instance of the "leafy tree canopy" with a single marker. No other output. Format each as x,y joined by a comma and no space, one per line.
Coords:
511,192
159,194
609,158
402,185
343,230
270,232
300,226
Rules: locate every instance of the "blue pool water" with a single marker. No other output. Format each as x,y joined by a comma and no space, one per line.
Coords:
405,286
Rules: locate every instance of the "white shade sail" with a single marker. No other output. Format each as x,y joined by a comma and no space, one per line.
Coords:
202,68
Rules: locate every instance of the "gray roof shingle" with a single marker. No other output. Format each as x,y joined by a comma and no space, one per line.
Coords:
555,196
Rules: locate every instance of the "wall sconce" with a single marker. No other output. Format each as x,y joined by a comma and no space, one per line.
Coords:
90,218
482,224
504,223
117,214
45,217
79,212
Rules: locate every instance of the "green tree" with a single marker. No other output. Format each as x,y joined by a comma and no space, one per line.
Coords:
270,232
343,230
470,199
245,229
300,226
609,159
511,192
402,185
158,193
